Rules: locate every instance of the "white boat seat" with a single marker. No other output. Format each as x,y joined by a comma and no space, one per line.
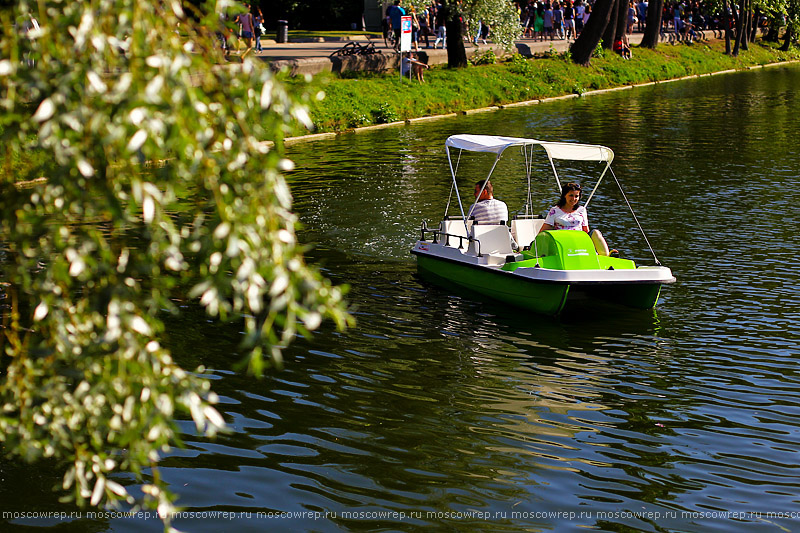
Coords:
525,230
452,227
493,238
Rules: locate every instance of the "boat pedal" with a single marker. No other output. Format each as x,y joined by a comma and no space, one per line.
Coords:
511,258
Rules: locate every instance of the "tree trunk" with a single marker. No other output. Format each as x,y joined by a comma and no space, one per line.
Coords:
747,15
622,20
739,17
611,28
652,30
726,23
581,50
787,43
456,53
754,25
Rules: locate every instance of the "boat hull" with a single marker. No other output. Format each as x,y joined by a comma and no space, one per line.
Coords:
542,290
637,296
539,297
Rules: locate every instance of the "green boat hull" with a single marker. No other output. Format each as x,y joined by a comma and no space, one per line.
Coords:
539,297
638,296
564,257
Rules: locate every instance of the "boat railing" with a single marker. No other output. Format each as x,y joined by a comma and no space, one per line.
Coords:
438,233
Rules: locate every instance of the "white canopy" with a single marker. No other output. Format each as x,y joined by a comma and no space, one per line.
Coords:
497,144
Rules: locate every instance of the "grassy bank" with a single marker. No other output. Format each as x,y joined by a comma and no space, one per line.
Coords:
380,98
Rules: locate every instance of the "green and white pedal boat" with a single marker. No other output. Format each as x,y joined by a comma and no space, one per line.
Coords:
549,268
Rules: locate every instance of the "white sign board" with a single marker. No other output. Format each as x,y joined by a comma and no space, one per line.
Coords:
405,34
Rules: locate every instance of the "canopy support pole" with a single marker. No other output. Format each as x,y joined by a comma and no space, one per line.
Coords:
477,198
596,185
452,185
528,155
636,219
555,173
455,186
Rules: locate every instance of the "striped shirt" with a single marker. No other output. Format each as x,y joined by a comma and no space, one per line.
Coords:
490,211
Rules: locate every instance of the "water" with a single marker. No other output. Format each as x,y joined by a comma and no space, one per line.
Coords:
439,411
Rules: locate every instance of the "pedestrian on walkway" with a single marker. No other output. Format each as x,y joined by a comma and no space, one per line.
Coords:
631,16
548,21
245,21
569,20
441,29
414,28
580,11
425,26
642,8
258,21
396,13
558,20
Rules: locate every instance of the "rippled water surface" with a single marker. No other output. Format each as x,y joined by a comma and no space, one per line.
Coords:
439,411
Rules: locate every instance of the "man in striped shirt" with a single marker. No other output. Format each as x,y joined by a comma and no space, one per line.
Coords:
488,210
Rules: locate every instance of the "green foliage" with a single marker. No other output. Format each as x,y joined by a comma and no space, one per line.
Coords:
519,64
384,114
599,52
486,58
158,189
500,15
357,119
520,79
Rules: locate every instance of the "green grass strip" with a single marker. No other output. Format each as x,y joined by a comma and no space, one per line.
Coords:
365,99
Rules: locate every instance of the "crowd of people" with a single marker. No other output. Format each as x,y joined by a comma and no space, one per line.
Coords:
543,20
550,20
428,24
249,28
565,19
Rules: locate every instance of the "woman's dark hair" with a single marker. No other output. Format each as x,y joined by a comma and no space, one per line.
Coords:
566,189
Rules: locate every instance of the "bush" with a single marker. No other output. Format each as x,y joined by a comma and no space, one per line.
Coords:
384,114
519,64
486,58
599,51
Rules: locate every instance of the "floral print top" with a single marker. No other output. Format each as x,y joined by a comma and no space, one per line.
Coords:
561,220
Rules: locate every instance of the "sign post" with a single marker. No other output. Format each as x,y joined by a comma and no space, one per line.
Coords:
405,42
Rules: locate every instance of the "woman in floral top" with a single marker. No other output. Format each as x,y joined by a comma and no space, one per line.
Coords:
567,214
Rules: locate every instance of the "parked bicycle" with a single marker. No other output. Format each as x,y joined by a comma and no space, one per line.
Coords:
388,34
356,49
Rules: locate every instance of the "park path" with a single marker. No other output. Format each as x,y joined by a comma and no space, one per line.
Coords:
312,57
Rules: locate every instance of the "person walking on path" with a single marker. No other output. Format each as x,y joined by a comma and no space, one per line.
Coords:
414,28
642,8
396,13
441,29
569,20
580,10
548,21
245,21
425,26
558,20
258,23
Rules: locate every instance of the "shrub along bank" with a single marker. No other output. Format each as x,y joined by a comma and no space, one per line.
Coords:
371,98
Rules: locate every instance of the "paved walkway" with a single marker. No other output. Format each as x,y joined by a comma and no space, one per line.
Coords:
313,57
